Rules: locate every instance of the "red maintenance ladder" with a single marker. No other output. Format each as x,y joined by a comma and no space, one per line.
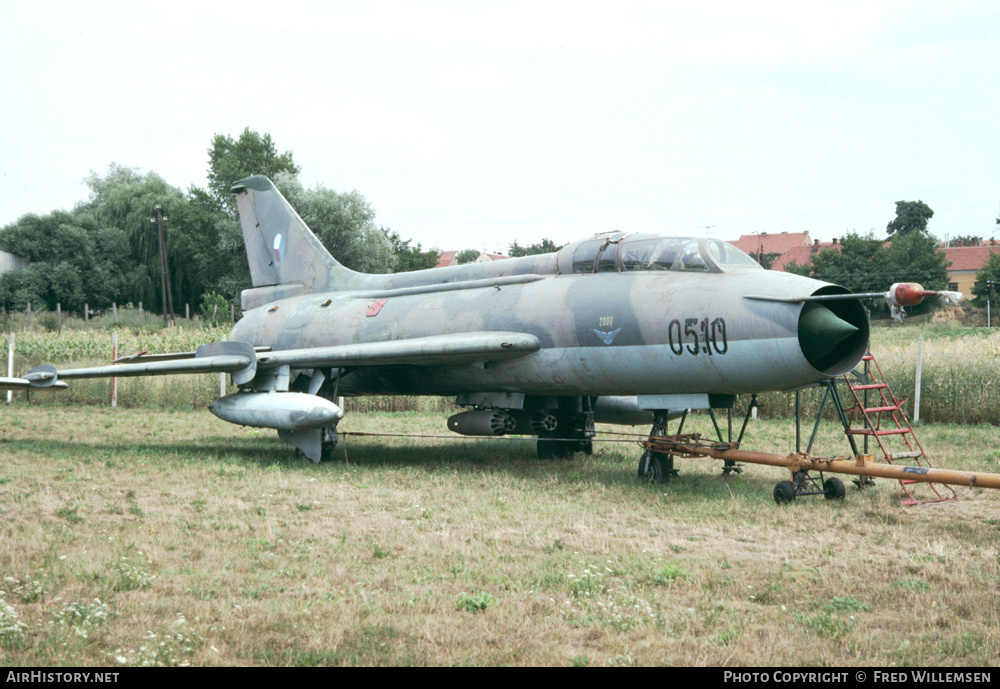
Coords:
879,415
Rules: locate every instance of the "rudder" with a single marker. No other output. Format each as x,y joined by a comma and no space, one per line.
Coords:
281,249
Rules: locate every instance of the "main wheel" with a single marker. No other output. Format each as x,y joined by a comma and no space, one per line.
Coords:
328,443
653,467
784,492
833,489
554,448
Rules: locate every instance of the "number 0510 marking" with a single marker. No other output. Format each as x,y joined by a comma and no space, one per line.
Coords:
697,336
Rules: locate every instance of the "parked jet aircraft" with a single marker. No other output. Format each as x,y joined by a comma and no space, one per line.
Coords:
612,327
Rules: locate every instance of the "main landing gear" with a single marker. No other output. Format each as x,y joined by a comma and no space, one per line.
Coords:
573,432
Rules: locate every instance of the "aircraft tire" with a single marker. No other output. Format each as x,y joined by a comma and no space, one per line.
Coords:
329,442
833,489
557,448
653,468
545,449
784,492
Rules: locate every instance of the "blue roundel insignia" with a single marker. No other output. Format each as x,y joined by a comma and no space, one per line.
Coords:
279,248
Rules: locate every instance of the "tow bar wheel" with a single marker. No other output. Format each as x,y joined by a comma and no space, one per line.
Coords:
784,492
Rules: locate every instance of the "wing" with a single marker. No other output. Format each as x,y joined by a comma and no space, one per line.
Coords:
242,360
22,384
437,350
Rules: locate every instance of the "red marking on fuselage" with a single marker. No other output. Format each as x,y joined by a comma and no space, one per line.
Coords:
375,307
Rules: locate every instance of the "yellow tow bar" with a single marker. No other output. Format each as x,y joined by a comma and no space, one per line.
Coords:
690,445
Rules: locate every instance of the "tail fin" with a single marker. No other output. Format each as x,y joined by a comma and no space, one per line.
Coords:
281,249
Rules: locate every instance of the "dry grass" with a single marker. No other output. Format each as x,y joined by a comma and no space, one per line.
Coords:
149,537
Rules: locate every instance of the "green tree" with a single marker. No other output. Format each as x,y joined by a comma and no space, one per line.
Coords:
965,240
232,269
765,260
74,260
868,264
409,257
546,246
914,257
990,272
344,222
467,255
862,264
231,159
910,216
192,236
126,199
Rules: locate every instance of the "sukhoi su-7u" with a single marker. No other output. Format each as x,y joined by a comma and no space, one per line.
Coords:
616,327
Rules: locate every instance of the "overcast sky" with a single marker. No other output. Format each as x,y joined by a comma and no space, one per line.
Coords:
474,124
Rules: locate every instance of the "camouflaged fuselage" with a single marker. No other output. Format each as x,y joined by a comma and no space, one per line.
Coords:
601,334
615,315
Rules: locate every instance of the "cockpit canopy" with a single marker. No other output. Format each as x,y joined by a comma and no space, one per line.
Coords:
627,252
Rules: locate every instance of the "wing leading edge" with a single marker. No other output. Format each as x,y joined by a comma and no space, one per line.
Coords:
241,359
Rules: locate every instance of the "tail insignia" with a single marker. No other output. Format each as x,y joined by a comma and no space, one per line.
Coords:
279,247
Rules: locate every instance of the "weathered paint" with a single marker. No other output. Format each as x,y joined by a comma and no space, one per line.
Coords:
614,316
640,315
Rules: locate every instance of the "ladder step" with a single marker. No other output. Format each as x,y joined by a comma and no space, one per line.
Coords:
868,431
891,406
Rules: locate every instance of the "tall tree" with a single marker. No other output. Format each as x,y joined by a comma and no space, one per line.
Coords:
862,264
231,159
990,272
467,255
74,260
409,257
910,216
127,199
344,222
868,264
546,246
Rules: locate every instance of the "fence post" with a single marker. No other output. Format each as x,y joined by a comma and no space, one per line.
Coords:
114,310
59,318
140,313
10,366
916,392
114,381
187,312
86,316
29,314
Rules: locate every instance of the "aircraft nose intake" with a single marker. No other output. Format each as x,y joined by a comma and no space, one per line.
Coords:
821,330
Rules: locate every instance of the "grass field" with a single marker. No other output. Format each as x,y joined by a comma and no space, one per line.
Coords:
145,537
